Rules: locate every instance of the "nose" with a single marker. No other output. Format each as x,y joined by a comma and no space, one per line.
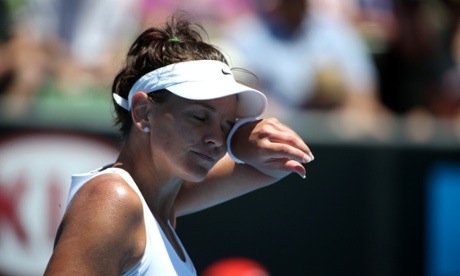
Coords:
215,137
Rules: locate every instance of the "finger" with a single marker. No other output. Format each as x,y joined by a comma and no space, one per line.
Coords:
291,139
286,151
286,165
276,131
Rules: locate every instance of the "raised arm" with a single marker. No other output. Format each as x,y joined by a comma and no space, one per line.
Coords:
270,150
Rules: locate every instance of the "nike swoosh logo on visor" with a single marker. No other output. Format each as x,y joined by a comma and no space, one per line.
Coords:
225,72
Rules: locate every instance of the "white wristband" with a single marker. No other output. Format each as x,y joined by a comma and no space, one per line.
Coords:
235,127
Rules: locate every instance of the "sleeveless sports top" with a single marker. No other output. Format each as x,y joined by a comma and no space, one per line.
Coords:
159,257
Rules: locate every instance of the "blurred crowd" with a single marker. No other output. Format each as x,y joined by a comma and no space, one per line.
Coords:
362,60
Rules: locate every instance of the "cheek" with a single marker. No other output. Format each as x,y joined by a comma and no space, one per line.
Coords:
184,135
174,138
167,131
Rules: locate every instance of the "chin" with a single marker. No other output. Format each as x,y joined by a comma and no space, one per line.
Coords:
195,171
196,175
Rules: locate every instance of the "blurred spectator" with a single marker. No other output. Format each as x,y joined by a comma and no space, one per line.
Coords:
154,12
23,66
88,36
6,70
419,71
419,67
213,14
308,59
68,47
375,20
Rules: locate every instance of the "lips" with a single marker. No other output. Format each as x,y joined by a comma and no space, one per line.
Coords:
206,157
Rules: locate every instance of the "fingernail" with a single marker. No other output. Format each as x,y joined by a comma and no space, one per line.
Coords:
307,159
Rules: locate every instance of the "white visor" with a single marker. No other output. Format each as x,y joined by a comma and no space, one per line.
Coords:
199,80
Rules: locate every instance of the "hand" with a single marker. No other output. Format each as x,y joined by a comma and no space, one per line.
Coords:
271,147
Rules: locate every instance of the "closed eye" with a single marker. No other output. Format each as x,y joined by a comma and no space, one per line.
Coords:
199,118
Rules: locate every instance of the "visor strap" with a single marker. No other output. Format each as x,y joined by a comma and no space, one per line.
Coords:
121,101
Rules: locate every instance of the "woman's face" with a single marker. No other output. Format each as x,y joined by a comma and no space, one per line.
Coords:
188,137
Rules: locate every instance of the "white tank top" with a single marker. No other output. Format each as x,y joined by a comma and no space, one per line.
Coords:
159,257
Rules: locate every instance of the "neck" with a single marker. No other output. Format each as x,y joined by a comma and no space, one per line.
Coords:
158,188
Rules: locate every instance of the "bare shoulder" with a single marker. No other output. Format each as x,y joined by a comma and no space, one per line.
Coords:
106,200
102,229
106,191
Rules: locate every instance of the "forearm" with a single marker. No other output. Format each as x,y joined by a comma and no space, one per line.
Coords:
270,150
227,180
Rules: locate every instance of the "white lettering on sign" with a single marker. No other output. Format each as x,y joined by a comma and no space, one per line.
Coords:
35,171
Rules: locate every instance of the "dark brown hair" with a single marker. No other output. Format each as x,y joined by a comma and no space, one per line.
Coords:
177,41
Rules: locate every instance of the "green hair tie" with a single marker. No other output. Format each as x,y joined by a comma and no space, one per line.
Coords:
174,39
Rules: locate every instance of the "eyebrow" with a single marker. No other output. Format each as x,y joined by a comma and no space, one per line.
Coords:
211,108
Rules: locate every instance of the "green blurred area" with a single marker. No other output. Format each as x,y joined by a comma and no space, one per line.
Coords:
87,109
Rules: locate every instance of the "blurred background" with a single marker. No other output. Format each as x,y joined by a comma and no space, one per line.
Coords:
373,86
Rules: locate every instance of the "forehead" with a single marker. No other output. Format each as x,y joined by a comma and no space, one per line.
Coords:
226,104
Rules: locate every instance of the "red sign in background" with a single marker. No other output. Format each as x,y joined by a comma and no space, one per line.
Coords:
35,171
